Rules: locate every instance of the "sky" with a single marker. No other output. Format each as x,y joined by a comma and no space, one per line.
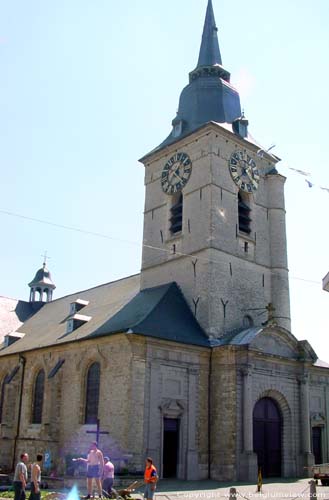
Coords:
88,87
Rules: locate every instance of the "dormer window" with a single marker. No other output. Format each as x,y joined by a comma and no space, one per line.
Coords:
177,127
75,320
77,305
12,337
70,325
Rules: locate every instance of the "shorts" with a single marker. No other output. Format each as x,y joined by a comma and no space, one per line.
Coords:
93,471
149,490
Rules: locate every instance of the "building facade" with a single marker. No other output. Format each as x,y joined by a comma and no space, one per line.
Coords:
192,361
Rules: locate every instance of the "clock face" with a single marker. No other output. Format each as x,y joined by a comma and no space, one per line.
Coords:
244,171
176,173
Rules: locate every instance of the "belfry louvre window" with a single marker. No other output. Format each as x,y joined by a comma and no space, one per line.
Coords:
92,394
244,215
176,214
39,387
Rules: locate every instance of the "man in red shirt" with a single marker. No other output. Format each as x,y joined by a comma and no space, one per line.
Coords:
150,479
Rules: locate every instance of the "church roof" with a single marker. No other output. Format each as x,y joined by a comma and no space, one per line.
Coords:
13,313
243,337
160,312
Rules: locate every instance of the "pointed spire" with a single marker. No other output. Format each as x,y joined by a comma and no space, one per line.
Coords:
209,51
209,96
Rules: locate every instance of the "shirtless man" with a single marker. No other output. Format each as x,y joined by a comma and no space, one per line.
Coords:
36,478
95,465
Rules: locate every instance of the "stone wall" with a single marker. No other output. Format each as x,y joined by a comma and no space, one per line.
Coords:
223,415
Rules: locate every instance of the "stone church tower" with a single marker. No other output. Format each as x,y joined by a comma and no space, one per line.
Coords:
214,206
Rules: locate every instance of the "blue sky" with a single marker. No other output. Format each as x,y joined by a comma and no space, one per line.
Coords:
88,87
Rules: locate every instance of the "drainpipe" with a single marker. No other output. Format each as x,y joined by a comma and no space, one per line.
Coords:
22,361
209,410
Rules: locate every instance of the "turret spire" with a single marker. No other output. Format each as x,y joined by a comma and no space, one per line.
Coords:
209,51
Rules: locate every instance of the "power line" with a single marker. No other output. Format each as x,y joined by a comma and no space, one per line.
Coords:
112,238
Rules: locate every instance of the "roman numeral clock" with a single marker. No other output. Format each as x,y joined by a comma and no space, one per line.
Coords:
176,173
244,171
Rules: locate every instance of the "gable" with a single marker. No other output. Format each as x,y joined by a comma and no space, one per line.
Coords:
276,343
272,340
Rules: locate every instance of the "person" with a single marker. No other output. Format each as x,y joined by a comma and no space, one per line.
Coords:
20,477
36,478
108,476
95,466
150,479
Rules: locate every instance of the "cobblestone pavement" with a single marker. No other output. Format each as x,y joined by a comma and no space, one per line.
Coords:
212,490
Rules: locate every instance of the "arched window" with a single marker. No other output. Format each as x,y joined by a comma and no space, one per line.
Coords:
2,397
39,387
92,394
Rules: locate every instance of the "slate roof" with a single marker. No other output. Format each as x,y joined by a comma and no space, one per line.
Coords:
160,312
243,337
13,313
226,126
209,96
209,54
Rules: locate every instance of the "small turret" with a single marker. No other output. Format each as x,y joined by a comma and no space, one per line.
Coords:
42,286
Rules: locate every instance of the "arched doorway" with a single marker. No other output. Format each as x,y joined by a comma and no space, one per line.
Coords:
267,429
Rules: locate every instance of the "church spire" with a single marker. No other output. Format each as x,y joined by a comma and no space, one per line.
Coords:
209,51
209,96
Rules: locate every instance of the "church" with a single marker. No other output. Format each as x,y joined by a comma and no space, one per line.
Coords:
192,361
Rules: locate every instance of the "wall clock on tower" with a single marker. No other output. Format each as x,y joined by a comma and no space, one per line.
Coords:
244,171
176,173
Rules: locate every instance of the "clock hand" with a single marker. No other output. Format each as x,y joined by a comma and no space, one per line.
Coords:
171,173
178,176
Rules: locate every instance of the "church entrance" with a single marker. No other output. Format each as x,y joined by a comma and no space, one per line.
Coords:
267,427
170,446
317,447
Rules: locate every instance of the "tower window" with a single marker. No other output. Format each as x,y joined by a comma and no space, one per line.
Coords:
176,214
244,215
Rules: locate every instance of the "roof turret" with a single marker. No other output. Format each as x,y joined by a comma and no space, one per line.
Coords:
42,277
42,284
